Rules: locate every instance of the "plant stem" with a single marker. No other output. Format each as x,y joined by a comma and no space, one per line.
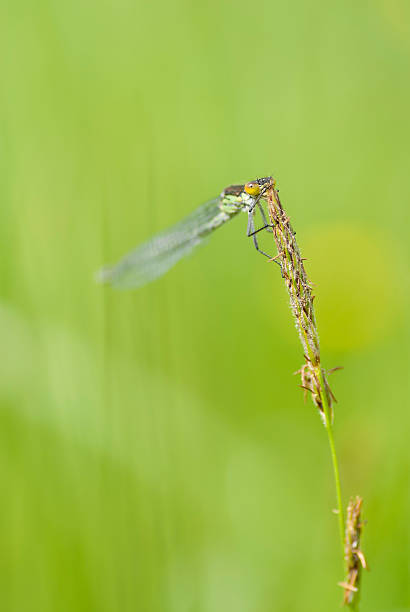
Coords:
313,379
329,429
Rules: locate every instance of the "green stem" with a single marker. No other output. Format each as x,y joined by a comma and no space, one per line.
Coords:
329,429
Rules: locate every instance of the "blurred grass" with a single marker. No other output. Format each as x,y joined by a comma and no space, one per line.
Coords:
156,453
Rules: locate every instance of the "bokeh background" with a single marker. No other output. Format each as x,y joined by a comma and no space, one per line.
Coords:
156,453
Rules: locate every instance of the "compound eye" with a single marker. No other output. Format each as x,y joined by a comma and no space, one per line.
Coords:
252,188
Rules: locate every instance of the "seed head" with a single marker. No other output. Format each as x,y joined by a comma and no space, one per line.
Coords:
299,287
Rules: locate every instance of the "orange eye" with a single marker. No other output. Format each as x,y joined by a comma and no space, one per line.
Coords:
252,188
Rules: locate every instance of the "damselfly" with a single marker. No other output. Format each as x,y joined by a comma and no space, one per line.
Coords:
154,257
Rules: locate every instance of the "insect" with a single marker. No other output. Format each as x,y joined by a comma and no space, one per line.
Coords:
156,256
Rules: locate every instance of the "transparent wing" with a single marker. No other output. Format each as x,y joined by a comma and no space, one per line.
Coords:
154,257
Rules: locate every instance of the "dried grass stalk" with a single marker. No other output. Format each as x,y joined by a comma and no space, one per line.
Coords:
354,557
314,378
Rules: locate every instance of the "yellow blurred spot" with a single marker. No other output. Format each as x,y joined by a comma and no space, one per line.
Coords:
356,276
395,15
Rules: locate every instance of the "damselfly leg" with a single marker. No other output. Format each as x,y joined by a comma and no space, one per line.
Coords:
267,226
251,231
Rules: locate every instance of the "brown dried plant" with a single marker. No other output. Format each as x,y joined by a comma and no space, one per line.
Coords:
354,557
314,376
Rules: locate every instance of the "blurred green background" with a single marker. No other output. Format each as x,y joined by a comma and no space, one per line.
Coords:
156,453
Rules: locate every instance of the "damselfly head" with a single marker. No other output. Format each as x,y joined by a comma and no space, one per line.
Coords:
258,187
